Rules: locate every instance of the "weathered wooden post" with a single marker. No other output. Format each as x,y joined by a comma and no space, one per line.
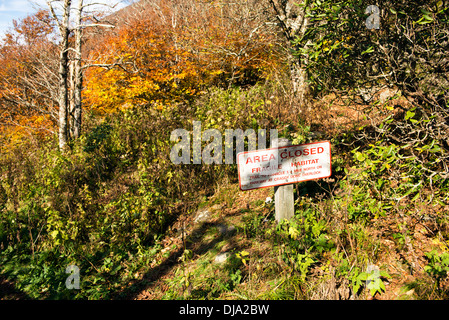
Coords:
283,195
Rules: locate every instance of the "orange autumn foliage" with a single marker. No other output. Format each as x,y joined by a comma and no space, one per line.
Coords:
27,105
165,56
150,69
161,56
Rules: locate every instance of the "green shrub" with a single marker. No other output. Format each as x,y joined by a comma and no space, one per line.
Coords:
102,204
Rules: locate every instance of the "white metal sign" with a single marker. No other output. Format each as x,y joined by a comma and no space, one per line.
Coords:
284,165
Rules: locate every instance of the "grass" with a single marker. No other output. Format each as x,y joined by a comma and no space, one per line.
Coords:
340,250
359,217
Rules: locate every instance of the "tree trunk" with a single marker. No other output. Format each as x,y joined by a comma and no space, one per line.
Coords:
63,74
77,112
293,21
63,93
71,98
299,79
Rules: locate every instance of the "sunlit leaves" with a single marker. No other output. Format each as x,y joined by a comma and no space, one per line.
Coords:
162,58
149,68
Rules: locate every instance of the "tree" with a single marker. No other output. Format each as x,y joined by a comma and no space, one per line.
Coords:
83,21
137,65
293,19
77,78
168,51
407,54
28,75
63,71
43,67
70,108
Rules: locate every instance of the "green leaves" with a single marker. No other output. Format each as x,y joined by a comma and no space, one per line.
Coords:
426,18
369,50
303,263
372,280
410,114
306,232
438,266
374,194
359,156
375,283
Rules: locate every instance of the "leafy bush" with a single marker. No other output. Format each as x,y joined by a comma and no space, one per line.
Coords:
438,266
304,239
104,203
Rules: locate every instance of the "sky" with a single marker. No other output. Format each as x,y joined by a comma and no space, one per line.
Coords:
19,9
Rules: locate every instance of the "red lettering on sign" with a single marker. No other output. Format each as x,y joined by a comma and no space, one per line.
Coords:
263,158
299,152
300,163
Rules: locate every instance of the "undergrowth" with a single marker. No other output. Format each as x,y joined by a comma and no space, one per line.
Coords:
106,205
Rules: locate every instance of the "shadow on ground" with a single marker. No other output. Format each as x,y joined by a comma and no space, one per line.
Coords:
194,242
9,292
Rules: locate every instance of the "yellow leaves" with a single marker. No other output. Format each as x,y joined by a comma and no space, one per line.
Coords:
243,256
156,69
170,64
13,136
216,72
440,244
293,233
159,105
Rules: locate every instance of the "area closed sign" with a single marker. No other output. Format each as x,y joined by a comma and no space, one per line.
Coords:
284,165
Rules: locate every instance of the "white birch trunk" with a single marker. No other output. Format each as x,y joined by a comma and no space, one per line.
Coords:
294,23
63,72
78,76
63,76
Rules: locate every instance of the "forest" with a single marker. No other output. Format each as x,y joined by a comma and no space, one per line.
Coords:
92,207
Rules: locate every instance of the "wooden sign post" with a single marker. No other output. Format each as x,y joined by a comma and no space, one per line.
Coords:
284,204
282,165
